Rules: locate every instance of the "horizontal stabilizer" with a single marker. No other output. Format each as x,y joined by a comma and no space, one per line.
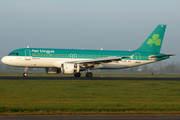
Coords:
160,56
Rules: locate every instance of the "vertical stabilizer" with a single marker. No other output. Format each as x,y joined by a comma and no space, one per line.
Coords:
154,41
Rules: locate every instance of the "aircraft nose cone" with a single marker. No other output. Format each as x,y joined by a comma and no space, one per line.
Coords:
5,60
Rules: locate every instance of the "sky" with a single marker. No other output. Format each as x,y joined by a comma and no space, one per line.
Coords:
87,24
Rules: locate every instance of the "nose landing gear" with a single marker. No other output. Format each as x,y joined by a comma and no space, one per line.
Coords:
25,72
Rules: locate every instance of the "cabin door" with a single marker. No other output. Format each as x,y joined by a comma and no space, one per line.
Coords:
138,57
73,56
27,55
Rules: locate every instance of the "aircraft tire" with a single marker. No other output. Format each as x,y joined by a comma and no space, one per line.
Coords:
89,74
77,75
25,74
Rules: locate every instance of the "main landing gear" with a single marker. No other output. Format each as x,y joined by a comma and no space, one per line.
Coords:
89,74
77,74
25,72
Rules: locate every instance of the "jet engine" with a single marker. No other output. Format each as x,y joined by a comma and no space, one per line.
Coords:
53,70
70,68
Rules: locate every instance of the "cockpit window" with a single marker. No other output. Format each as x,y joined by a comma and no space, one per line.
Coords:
13,53
10,53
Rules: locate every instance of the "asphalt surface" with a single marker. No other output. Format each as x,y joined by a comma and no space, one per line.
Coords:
92,117
84,78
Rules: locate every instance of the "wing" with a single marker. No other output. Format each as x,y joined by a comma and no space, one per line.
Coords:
96,62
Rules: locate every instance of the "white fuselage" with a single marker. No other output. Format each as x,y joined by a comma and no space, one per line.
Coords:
42,62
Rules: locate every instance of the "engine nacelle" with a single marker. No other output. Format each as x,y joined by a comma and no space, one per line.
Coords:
53,70
70,68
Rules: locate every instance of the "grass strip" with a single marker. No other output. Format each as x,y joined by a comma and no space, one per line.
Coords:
89,97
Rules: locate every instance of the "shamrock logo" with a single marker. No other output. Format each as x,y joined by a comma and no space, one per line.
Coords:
155,40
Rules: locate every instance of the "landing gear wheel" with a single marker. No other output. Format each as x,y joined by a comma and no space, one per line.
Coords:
89,74
25,74
77,75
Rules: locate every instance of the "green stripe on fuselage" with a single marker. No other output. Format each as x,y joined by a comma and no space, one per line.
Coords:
81,54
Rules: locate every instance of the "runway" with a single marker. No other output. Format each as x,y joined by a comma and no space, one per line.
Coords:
92,117
84,78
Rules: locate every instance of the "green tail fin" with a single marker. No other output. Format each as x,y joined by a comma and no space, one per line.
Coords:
154,41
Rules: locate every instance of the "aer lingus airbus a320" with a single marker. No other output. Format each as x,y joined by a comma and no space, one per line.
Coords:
72,61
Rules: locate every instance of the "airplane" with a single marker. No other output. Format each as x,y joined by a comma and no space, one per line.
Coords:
72,61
